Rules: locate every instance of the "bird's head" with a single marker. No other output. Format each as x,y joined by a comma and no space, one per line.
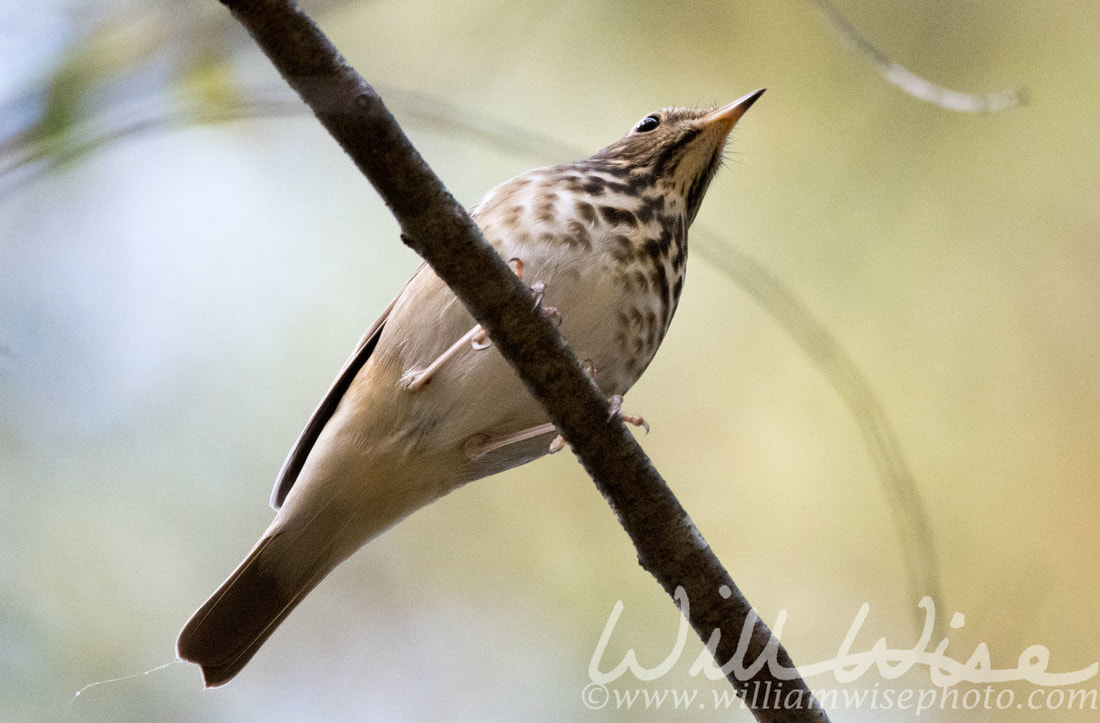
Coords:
678,149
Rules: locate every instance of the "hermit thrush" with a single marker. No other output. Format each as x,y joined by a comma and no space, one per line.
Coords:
425,404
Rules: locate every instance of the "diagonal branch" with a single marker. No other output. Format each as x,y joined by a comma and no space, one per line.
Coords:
436,226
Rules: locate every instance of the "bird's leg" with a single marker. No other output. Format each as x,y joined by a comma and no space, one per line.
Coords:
616,402
480,444
475,337
418,380
538,289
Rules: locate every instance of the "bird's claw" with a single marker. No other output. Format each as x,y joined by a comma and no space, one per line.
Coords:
480,340
477,338
616,402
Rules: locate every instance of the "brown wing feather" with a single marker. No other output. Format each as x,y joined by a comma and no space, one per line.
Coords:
298,454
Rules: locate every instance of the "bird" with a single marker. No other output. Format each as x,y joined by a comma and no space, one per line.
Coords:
425,404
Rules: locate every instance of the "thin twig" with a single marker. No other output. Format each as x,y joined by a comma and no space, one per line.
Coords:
437,227
899,76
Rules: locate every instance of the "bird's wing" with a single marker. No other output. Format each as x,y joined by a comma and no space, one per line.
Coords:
298,454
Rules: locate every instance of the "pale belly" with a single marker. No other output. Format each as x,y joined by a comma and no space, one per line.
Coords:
476,392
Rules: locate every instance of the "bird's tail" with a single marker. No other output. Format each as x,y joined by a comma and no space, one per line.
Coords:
307,539
224,634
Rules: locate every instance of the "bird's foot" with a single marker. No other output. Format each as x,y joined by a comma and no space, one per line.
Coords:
476,337
559,443
616,402
538,290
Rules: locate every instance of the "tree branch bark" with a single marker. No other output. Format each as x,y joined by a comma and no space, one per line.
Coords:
435,225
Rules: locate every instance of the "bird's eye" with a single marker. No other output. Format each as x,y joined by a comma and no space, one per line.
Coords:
645,125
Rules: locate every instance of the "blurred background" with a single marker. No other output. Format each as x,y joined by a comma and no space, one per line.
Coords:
883,380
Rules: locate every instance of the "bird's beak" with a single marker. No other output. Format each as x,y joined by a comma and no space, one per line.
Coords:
723,119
